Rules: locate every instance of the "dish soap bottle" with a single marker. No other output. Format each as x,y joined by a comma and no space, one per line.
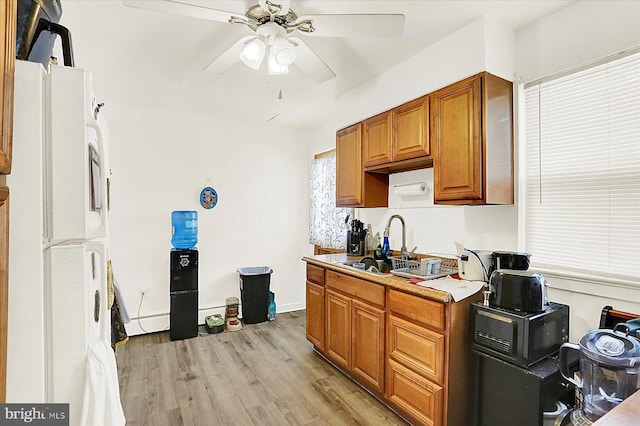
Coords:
386,250
377,254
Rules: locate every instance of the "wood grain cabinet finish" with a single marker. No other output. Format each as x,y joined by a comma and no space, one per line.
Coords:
7,59
377,139
315,310
411,130
315,314
367,352
398,140
354,186
315,274
472,141
355,328
338,329
421,399
418,348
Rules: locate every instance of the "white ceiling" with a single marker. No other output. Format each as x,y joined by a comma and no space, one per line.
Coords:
152,58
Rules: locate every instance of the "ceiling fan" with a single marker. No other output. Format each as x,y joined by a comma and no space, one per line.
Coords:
275,26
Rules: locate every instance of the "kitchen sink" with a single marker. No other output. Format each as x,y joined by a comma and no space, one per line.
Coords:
371,270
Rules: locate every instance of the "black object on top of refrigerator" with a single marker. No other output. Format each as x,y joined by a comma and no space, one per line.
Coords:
183,318
37,27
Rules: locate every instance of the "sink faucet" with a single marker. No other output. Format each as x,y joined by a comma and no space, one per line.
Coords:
403,249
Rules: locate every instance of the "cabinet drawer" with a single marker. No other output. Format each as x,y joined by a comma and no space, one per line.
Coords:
315,274
414,394
416,347
361,289
421,310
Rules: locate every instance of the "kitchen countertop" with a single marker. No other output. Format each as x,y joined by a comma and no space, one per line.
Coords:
625,414
335,262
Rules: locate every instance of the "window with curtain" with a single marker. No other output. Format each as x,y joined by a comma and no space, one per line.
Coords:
582,170
327,226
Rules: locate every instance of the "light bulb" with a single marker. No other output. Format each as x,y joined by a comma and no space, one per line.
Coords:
253,53
284,53
275,68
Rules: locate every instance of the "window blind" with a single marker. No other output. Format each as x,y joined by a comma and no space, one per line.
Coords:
582,170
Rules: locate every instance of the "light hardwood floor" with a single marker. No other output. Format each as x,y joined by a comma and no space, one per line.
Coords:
265,374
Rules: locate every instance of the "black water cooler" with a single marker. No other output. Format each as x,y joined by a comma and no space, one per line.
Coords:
184,294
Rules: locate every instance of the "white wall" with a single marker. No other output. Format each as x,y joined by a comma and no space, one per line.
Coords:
161,160
579,34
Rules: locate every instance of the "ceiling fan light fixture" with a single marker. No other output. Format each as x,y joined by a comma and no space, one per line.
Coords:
275,68
283,51
253,53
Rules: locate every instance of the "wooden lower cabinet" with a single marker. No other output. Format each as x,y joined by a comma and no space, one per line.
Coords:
418,397
417,347
338,329
355,339
367,352
315,315
410,351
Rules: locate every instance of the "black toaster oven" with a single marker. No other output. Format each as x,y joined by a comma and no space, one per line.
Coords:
519,338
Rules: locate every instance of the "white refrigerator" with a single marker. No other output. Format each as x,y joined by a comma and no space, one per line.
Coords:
59,321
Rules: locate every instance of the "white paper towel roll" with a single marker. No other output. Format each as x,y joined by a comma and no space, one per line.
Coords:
417,188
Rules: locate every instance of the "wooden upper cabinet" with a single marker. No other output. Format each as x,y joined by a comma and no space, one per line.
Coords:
377,139
472,135
7,59
355,187
398,140
349,172
457,135
411,130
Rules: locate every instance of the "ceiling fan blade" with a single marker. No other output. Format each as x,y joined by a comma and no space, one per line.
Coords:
310,64
228,58
184,8
360,25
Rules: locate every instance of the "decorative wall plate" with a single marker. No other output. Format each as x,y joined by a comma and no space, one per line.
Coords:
208,197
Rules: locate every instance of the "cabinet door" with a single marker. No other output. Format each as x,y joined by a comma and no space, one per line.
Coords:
349,171
416,347
367,360
315,315
354,187
415,395
7,60
376,139
456,132
338,329
411,130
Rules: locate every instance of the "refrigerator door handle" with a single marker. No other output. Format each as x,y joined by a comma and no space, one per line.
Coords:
93,123
103,304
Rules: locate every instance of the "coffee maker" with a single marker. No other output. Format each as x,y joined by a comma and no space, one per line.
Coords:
356,237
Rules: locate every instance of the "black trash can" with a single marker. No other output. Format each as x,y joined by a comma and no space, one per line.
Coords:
254,293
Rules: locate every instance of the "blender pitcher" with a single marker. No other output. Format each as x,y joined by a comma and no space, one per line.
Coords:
609,368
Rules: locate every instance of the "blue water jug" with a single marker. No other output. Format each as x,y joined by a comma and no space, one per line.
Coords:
185,229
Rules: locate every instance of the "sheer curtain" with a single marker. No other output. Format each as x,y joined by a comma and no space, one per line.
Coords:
327,226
